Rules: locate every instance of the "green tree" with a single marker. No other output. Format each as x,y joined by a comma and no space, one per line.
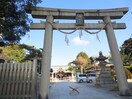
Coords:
82,61
20,53
126,52
71,68
31,52
12,53
14,22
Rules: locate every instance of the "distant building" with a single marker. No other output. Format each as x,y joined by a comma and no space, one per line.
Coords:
60,72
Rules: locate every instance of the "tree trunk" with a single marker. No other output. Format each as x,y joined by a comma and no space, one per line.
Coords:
81,67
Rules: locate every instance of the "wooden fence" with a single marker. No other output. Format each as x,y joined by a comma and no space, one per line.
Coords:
18,80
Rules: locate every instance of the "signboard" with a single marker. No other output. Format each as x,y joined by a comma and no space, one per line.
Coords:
79,19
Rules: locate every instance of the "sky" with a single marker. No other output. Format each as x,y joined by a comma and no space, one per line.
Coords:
62,53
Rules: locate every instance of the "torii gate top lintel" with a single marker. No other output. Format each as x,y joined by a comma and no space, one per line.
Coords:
41,12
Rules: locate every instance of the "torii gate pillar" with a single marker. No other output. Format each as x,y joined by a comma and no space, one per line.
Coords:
46,60
121,78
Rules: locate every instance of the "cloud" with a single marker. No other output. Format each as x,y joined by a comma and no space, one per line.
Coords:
77,41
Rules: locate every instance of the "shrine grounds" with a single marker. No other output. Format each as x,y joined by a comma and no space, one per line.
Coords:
61,90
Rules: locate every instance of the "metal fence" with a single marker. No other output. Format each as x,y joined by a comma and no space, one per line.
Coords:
18,80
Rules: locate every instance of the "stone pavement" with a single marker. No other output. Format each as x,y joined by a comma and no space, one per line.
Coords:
61,90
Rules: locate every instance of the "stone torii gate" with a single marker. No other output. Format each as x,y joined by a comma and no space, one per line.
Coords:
102,14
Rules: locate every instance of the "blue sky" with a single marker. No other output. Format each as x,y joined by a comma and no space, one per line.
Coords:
61,53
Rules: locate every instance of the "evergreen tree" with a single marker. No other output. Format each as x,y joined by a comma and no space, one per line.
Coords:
12,53
14,22
31,52
126,52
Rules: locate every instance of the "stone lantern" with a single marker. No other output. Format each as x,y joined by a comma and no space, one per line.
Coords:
102,62
104,78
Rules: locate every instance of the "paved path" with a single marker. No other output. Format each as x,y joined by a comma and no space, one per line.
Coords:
61,90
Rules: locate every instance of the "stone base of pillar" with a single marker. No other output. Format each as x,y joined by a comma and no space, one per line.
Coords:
105,80
40,97
126,93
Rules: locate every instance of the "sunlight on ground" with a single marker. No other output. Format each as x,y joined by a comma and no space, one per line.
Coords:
129,80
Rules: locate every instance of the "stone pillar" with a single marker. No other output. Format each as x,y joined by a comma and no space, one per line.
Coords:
120,73
46,59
